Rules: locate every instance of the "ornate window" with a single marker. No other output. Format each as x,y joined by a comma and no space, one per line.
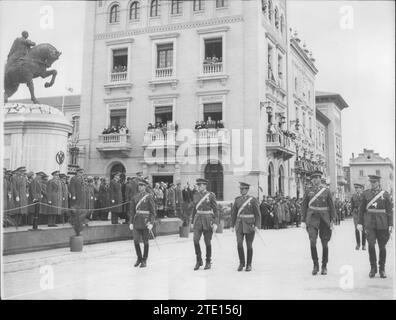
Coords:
134,11
198,5
115,13
154,8
176,6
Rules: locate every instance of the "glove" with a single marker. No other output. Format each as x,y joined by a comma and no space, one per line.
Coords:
303,225
390,229
149,226
49,202
359,227
74,198
131,226
112,201
17,199
9,196
214,227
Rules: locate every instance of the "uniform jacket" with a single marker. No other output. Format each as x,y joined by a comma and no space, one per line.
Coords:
356,199
7,195
311,216
19,189
205,221
76,191
54,196
245,224
35,192
171,199
65,196
115,196
90,194
104,196
178,198
44,209
140,220
376,220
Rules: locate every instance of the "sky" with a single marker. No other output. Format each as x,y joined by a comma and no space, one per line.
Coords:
355,57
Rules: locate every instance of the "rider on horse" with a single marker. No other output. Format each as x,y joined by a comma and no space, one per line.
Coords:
20,47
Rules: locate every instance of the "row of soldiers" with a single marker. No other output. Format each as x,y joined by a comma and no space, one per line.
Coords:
280,212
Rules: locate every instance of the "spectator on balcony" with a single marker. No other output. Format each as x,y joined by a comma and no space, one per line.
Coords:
197,125
150,127
123,129
220,124
211,124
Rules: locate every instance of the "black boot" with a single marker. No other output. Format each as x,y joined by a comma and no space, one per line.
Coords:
373,271
315,269
382,273
324,269
314,255
241,255
143,264
137,263
145,251
207,265
249,259
199,263
138,253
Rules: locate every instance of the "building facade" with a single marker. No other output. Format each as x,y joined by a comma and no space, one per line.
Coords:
331,105
368,163
179,62
321,143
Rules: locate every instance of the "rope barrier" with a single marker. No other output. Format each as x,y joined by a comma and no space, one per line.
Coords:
63,208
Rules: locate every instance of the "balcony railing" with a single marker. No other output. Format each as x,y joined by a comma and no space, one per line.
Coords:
114,142
281,144
212,137
118,76
212,67
164,72
159,138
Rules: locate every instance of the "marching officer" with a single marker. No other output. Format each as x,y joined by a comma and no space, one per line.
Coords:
355,207
115,197
141,216
317,217
245,217
376,215
55,198
205,219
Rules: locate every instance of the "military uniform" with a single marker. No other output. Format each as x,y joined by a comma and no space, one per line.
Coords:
376,215
104,200
115,200
356,199
142,212
37,196
204,215
318,215
55,198
76,192
245,217
19,194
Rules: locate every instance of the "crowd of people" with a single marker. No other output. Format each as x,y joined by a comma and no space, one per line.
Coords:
163,126
209,124
119,69
108,199
116,129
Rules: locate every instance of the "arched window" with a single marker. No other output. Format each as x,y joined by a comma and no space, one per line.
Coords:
264,6
154,8
134,11
282,24
276,18
176,7
270,10
115,13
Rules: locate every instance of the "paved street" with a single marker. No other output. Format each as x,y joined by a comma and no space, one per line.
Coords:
281,270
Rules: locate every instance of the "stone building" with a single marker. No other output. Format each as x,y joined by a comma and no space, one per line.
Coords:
370,162
179,62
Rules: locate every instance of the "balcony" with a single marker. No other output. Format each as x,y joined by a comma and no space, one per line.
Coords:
212,67
114,142
161,73
212,138
280,146
158,139
118,76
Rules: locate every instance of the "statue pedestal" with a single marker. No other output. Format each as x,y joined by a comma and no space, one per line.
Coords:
33,135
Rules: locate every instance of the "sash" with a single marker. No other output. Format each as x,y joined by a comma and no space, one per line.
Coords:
374,199
243,206
316,196
141,200
202,200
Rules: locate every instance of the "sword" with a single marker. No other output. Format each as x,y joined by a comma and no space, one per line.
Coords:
259,235
155,240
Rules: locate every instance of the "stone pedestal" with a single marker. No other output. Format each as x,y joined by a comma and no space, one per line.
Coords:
33,135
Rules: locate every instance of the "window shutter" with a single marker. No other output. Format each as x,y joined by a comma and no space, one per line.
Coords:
212,107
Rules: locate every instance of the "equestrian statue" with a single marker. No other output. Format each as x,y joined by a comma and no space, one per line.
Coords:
27,61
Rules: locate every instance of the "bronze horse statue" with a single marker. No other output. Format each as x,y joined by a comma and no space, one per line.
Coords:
33,65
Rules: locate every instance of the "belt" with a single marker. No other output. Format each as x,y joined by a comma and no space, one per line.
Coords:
319,208
246,216
376,211
142,212
205,212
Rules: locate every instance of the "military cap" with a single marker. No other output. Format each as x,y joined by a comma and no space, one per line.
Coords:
80,170
358,185
373,177
45,176
139,173
4,169
56,172
30,174
90,178
62,175
142,182
8,172
316,173
201,181
96,178
244,185
20,169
